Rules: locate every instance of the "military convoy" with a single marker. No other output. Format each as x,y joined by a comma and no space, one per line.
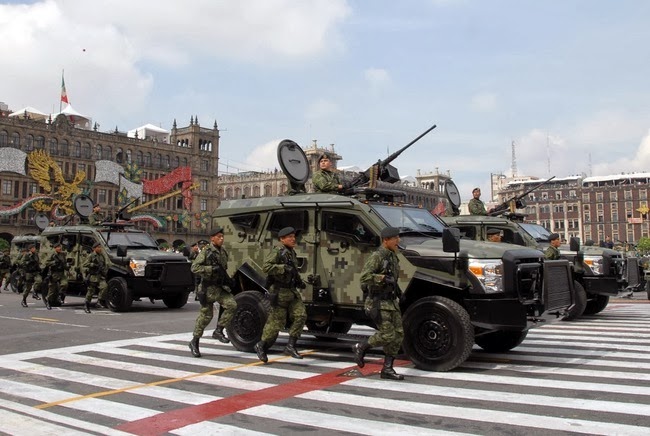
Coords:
137,267
456,292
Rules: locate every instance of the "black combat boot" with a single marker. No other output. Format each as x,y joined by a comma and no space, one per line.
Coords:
35,296
290,349
87,307
102,303
388,372
24,302
359,350
47,304
260,349
218,334
194,347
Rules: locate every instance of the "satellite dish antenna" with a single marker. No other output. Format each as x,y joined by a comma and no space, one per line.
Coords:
41,220
83,205
293,162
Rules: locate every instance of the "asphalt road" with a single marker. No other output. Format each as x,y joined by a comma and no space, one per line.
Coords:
67,372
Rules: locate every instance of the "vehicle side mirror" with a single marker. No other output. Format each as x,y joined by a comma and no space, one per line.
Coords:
121,251
574,244
451,240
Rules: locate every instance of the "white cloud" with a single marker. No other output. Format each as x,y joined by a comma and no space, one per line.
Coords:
484,102
263,157
376,77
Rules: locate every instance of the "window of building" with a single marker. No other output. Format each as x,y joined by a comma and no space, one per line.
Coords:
119,156
267,190
4,138
558,224
33,188
29,143
184,161
139,158
147,160
585,197
128,156
544,195
587,217
628,205
176,162
572,208
558,208
599,206
204,185
40,143
204,165
65,149
614,215
54,147
6,187
628,195
159,160
168,162
76,149
572,194
558,195
98,152
108,152
599,196
643,194
101,195
601,216
613,196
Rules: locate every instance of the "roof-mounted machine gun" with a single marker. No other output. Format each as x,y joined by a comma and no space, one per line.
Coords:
382,170
516,202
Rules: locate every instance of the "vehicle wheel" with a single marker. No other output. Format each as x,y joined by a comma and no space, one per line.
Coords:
246,327
596,305
118,295
579,304
176,301
438,334
501,341
334,327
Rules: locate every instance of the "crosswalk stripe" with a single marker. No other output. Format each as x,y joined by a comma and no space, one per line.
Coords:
207,428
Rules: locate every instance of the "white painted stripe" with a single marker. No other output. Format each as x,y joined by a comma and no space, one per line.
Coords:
584,339
585,346
474,414
586,333
43,415
341,423
486,378
19,425
208,428
598,354
572,403
514,357
94,405
108,383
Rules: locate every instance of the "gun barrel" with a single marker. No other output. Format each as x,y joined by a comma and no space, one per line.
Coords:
393,156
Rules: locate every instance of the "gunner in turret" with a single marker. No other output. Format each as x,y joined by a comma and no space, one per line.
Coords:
326,180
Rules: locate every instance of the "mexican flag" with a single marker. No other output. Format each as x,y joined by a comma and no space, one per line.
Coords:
64,95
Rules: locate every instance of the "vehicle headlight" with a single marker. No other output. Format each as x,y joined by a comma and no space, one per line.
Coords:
489,273
137,266
595,263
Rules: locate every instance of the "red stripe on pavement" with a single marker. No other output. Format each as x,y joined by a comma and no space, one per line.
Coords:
168,421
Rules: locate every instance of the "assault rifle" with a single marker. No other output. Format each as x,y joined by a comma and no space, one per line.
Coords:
516,202
382,170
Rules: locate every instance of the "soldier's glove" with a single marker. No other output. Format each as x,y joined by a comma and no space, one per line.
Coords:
289,269
389,280
300,284
216,270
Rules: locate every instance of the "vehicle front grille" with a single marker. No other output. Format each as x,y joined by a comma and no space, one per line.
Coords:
632,272
558,285
529,281
170,273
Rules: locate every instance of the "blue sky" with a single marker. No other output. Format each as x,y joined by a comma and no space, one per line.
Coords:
566,80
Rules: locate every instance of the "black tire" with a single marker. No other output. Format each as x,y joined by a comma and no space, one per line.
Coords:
438,334
246,327
596,305
118,295
580,303
176,301
334,327
501,341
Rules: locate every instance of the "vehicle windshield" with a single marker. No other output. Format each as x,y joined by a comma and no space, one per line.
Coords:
129,239
410,219
536,231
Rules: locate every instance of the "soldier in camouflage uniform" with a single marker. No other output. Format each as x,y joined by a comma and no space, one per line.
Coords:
379,277
58,282
325,180
211,264
95,270
281,269
553,251
5,269
32,269
96,218
475,205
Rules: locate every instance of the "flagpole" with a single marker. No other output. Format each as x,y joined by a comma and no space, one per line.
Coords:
62,82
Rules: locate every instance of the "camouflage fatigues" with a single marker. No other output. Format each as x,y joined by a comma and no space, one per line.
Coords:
58,282
552,253
32,270
5,268
214,282
96,219
326,181
95,271
390,332
286,298
476,207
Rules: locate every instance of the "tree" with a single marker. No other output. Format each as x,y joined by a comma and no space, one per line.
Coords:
643,246
4,244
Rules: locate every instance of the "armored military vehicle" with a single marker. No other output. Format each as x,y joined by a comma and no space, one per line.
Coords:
597,272
137,267
455,292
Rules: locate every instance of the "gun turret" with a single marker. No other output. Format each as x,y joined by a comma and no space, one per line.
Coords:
382,170
516,202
